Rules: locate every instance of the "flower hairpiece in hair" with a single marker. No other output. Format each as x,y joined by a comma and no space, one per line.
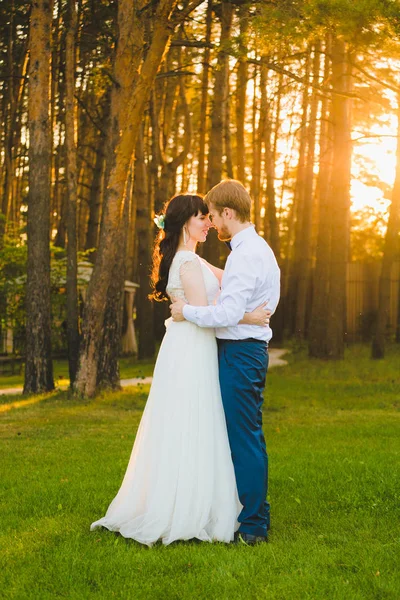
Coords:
159,220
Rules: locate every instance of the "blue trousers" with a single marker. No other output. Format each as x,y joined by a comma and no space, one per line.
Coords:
242,370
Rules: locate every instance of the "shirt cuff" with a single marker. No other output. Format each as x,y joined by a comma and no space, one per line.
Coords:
189,312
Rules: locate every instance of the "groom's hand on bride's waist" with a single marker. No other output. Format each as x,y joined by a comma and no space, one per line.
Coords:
176,309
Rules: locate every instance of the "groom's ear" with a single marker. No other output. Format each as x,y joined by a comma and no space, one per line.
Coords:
229,213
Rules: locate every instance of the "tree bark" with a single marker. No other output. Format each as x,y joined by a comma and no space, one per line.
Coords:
241,89
340,198
271,230
263,141
211,250
298,206
201,179
156,160
270,159
319,315
95,199
390,253
127,106
8,128
71,145
304,257
13,96
167,181
226,111
38,365
108,375
256,166
145,235
57,114
60,196
132,235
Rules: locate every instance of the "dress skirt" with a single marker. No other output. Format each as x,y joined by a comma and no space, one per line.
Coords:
180,482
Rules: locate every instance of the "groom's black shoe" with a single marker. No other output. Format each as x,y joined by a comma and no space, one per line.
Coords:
247,539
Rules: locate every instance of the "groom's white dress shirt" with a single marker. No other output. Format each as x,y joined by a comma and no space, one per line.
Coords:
251,277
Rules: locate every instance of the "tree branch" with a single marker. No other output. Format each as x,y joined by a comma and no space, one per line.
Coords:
174,74
192,44
385,84
93,120
179,15
302,80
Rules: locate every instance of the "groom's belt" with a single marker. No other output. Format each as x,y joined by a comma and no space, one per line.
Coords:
225,341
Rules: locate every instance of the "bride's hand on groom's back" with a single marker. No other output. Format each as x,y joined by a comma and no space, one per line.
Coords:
259,316
176,309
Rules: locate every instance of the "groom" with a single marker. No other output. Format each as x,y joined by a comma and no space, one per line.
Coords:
251,277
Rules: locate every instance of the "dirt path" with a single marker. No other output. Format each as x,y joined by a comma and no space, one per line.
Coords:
275,360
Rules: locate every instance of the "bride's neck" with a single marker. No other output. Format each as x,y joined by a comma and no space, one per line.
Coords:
190,245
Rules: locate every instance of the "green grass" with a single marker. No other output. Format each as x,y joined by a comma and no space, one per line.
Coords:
333,431
129,367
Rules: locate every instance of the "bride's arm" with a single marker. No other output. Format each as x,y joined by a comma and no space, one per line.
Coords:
193,283
259,316
217,272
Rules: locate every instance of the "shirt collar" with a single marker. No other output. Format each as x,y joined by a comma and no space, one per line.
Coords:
241,236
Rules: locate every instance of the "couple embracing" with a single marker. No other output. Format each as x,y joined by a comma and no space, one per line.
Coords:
199,466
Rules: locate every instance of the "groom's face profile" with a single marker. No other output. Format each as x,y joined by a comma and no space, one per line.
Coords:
221,223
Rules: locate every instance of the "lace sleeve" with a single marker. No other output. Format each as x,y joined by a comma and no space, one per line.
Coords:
193,283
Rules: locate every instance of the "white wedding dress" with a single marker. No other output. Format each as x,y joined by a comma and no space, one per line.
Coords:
180,482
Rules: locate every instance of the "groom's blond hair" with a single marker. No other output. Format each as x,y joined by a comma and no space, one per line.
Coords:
230,193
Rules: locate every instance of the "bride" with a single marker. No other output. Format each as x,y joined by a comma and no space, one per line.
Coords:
180,482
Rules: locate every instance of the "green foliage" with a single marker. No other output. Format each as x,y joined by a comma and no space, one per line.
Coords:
13,256
367,234
362,23
13,276
332,434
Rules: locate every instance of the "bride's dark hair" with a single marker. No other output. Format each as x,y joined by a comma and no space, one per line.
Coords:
177,212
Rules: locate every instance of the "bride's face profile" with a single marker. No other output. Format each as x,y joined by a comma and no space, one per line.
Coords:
198,226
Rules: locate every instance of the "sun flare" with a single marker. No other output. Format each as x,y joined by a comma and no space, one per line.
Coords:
374,166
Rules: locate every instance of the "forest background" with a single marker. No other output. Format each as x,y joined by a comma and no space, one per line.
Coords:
107,109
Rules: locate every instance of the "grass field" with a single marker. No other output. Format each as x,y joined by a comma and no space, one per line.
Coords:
333,432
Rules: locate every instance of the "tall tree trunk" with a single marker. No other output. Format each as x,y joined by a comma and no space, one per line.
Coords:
58,75
319,315
127,106
271,230
60,195
71,145
340,198
108,375
38,364
227,125
13,97
166,186
156,161
201,179
390,253
241,89
271,194
305,231
211,250
258,157
95,198
8,128
256,148
298,206
132,236
96,191
145,313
